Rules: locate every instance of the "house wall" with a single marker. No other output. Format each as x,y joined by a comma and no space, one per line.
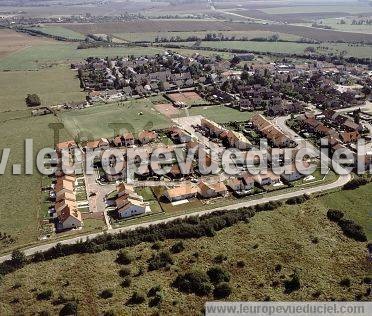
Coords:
132,211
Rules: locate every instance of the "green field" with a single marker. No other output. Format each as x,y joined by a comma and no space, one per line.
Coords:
293,238
220,113
42,56
362,51
95,120
20,195
348,27
150,36
59,31
53,85
353,9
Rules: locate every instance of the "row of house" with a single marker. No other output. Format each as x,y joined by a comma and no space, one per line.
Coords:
67,213
267,129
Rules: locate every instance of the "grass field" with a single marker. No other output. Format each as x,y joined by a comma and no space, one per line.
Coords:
95,120
220,113
20,208
348,27
59,31
291,48
43,56
53,85
150,36
284,238
352,9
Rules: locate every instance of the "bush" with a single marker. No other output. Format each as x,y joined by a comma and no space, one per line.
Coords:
157,245
32,100
297,200
123,257
137,298
352,230
334,215
124,272
345,282
355,183
220,258
160,260
126,282
240,264
18,259
109,313
156,300
218,275
69,309
45,295
222,290
292,285
177,247
193,282
153,291
105,294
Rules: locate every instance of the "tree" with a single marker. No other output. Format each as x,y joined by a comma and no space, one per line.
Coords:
124,257
292,285
235,60
33,100
196,282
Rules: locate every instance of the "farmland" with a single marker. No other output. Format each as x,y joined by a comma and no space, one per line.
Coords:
138,114
53,85
59,31
268,252
349,9
336,25
11,42
362,51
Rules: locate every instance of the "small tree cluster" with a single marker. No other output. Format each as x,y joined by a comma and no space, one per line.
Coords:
160,260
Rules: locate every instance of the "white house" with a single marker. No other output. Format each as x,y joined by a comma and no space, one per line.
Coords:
132,208
69,218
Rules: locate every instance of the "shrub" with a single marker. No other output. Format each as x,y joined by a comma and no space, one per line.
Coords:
297,200
124,272
220,258
157,245
222,290
352,230
32,100
153,291
105,294
18,259
218,275
137,298
193,282
177,247
156,300
45,295
126,282
160,260
44,313
293,284
69,309
240,264
334,215
355,183
123,257
109,313
345,282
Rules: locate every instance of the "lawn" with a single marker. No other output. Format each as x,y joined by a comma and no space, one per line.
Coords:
53,85
22,207
221,114
59,31
270,247
95,120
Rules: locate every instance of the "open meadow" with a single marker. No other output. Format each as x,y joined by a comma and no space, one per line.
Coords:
262,255
137,114
55,85
56,30
348,9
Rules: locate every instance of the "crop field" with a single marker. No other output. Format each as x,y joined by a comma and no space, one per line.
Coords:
290,48
53,85
20,207
59,31
138,115
269,249
348,9
220,113
145,26
151,36
11,41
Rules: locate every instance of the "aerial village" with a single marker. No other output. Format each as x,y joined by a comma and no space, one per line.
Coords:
295,107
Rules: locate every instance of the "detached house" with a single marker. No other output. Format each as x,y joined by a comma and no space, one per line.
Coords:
208,190
183,192
146,137
69,218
